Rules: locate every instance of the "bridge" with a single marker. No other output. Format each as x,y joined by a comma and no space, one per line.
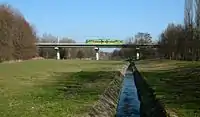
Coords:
95,45
73,45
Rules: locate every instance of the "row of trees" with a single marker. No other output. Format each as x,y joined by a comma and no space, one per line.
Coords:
17,36
183,41
178,42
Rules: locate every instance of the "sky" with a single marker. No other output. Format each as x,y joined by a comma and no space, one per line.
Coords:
91,19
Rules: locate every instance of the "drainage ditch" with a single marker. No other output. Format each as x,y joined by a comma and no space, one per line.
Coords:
129,104
128,96
107,104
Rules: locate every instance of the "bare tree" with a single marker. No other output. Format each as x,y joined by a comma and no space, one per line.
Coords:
17,36
143,38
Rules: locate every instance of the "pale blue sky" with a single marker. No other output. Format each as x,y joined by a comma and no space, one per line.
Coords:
85,19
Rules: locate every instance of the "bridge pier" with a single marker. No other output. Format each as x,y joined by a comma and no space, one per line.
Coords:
137,54
97,53
57,53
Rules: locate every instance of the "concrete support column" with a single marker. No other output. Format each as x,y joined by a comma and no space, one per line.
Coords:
57,53
97,53
137,54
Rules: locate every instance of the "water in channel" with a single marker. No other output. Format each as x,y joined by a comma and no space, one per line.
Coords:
129,104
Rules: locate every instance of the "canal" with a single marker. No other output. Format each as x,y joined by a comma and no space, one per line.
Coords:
129,104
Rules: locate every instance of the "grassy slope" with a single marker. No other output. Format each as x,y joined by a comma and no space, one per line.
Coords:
50,88
176,83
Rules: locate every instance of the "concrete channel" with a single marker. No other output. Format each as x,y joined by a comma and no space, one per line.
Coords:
129,104
137,98
128,96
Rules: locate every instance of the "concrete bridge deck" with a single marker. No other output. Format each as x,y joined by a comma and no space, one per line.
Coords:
43,45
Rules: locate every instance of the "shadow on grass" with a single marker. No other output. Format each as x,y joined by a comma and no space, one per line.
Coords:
83,84
80,89
178,88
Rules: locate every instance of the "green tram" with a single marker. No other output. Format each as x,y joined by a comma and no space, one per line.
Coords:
104,41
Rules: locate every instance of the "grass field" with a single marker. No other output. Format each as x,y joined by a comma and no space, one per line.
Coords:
50,88
176,83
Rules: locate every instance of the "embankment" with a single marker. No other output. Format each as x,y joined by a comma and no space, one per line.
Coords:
107,104
150,106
